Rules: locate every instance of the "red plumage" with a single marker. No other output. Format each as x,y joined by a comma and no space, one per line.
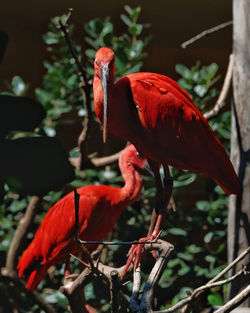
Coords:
155,114
100,207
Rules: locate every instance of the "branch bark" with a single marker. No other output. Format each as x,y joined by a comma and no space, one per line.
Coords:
233,303
220,103
239,209
205,33
21,232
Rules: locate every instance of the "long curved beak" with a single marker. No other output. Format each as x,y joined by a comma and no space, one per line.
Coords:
104,73
148,168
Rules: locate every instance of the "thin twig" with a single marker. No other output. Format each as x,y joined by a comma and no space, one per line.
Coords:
97,162
226,269
230,305
21,232
220,103
210,284
63,27
205,33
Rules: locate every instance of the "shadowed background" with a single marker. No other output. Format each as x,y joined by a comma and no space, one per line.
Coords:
172,22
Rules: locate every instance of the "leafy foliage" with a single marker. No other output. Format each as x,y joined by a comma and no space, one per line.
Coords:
196,258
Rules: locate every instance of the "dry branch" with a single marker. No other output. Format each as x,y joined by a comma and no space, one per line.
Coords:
220,103
114,291
205,33
233,303
21,232
84,161
165,249
197,292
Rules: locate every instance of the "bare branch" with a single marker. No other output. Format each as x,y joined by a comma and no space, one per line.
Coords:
114,292
21,232
220,103
197,292
205,33
165,249
96,162
230,305
63,28
239,258
134,305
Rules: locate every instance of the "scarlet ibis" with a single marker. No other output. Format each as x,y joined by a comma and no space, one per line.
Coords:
99,208
155,114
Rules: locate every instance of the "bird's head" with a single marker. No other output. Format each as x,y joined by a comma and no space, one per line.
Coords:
130,156
104,69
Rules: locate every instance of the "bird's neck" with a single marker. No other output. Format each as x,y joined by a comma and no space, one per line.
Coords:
133,185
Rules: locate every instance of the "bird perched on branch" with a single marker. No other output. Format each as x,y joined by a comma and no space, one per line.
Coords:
99,208
155,114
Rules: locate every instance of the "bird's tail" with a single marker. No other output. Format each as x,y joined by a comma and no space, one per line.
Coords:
224,174
30,266
227,179
35,277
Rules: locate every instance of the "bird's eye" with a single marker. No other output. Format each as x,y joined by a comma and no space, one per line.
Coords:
138,155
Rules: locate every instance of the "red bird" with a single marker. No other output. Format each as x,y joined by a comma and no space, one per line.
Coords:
155,114
99,208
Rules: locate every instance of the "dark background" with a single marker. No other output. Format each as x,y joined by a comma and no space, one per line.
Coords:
172,22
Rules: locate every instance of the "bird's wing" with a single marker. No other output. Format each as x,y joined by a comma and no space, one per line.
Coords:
176,130
158,98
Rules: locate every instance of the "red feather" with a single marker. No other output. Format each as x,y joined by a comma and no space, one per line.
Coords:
154,113
99,208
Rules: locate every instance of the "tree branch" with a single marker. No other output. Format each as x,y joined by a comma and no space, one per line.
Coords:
114,292
21,232
230,305
220,103
165,248
205,33
197,292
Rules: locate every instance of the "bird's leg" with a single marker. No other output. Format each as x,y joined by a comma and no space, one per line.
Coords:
67,267
166,196
156,219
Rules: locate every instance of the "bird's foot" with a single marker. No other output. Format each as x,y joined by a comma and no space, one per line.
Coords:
136,251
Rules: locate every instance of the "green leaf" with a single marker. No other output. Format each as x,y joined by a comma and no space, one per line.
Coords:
177,231
18,86
182,70
200,90
128,9
90,53
185,256
215,299
203,205
135,14
133,69
126,20
184,270
212,70
208,237
135,29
